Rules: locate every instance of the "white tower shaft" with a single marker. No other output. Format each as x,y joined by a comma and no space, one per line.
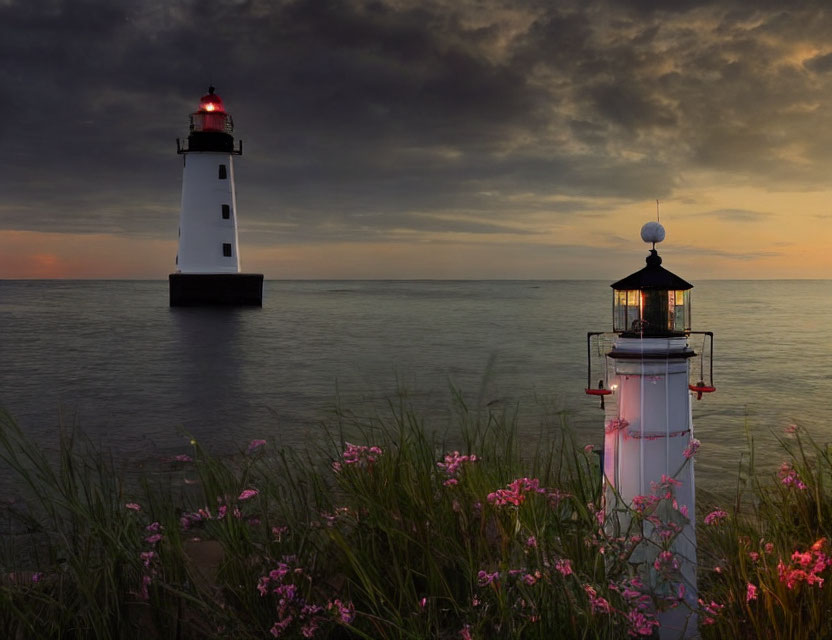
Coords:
646,437
208,219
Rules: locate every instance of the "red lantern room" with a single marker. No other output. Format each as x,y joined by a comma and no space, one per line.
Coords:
211,115
211,127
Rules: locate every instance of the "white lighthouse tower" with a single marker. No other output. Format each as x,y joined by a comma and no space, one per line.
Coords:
208,260
648,440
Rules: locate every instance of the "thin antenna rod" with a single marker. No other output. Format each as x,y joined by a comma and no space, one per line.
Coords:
657,211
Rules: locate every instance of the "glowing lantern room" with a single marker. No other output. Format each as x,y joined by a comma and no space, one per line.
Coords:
211,116
652,302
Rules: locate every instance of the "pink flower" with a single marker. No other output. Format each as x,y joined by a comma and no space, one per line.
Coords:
182,457
589,448
147,557
670,481
531,542
254,445
750,592
37,576
345,612
792,429
564,567
247,493
641,624
692,448
711,609
156,537
715,517
153,527
133,506
789,477
465,633
484,578
531,578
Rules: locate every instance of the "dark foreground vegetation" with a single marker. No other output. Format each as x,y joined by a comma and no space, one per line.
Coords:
383,532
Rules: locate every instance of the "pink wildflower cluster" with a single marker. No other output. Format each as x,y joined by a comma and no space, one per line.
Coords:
789,477
232,508
358,456
597,603
564,567
149,558
716,517
641,623
452,464
750,592
517,490
666,562
640,618
293,610
711,610
805,566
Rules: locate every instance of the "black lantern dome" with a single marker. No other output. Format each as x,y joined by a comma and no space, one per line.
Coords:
652,302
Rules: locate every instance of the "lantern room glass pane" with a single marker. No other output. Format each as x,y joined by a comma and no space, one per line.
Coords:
655,312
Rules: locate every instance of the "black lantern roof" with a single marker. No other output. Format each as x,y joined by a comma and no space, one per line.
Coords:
653,276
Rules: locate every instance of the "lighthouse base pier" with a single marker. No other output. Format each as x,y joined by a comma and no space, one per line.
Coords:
216,289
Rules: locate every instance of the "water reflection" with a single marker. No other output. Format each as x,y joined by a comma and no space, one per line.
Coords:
208,370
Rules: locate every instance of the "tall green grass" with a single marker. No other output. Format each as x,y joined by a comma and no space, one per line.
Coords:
387,531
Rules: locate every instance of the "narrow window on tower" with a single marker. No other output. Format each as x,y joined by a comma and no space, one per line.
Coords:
226,211
226,249
223,172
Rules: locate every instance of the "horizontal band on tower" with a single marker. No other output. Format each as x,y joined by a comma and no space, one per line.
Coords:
651,355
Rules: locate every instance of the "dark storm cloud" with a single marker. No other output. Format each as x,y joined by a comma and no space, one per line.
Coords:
374,116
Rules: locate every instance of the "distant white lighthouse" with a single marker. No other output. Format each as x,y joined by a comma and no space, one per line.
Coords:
208,260
648,440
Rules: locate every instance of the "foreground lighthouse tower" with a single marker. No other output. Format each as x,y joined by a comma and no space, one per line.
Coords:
208,261
648,442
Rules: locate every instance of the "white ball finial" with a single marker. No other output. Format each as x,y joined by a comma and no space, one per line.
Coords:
652,232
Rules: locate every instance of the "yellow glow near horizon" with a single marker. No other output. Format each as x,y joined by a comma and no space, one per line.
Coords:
732,232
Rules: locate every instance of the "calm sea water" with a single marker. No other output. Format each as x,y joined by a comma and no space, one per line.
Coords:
138,375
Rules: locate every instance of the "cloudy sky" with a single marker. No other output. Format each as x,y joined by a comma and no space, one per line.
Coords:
424,138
